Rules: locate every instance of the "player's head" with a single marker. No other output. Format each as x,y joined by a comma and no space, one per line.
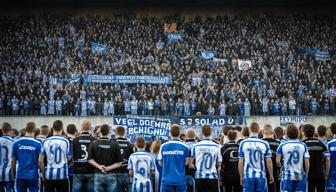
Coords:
191,134
175,131
322,131
206,131
140,143
226,129
105,130
182,137
279,132
44,130
238,128
254,128
30,128
86,125
232,135
268,131
71,129
155,147
308,130
245,132
292,132
333,128
120,131
6,128
57,126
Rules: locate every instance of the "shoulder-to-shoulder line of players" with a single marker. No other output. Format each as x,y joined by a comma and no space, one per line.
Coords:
248,159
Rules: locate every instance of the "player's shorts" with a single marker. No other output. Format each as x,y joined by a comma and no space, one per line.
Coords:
142,186
292,185
173,188
331,183
255,185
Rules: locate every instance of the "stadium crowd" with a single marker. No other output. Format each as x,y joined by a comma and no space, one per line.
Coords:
250,158
44,59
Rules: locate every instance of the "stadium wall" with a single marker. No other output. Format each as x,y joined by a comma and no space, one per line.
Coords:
20,122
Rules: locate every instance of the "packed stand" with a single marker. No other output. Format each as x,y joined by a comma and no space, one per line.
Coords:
44,59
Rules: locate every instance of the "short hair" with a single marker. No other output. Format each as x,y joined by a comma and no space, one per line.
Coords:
120,130
308,130
245,132
226,129
232,135
292,131
104,130
58,125
175,130
44,130
15,132
182,135
140,142
333,128
268,130
155,147
85,125
238,128
190,133
71,129
37,132
279,132
30,127
206,130
6,127
321,131
254,127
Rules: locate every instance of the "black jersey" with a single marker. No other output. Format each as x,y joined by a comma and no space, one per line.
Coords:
81,152
230,158
105,152
126,149
317,151
274,144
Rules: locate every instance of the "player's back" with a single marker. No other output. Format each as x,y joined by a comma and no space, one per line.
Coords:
6,146
142,164
207,155
81,152
230,159
293,153
254,150
332,151
173,155
26,151
57,150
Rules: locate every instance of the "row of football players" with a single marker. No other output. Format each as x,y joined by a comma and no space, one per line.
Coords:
111,161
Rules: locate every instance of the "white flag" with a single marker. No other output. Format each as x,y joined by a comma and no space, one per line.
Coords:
244,64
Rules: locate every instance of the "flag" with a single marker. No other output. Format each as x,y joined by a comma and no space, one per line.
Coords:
244,64
208,55
169,27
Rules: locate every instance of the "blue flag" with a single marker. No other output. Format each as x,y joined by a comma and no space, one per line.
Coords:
99,48
174,37
208,55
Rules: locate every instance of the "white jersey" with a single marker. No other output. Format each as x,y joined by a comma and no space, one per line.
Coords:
142,164
254,151
57,150
6,146
207,155
293,153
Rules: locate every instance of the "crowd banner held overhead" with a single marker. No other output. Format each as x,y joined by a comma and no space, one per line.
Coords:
244,64
220,60
174,37
148,127
127,79
322,56
208,55
284,120
99,48
169,27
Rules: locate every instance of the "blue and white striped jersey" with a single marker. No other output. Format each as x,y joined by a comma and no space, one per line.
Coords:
254,151
332,150
207,155
157,175
6,146
142,164
57,150
293,153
